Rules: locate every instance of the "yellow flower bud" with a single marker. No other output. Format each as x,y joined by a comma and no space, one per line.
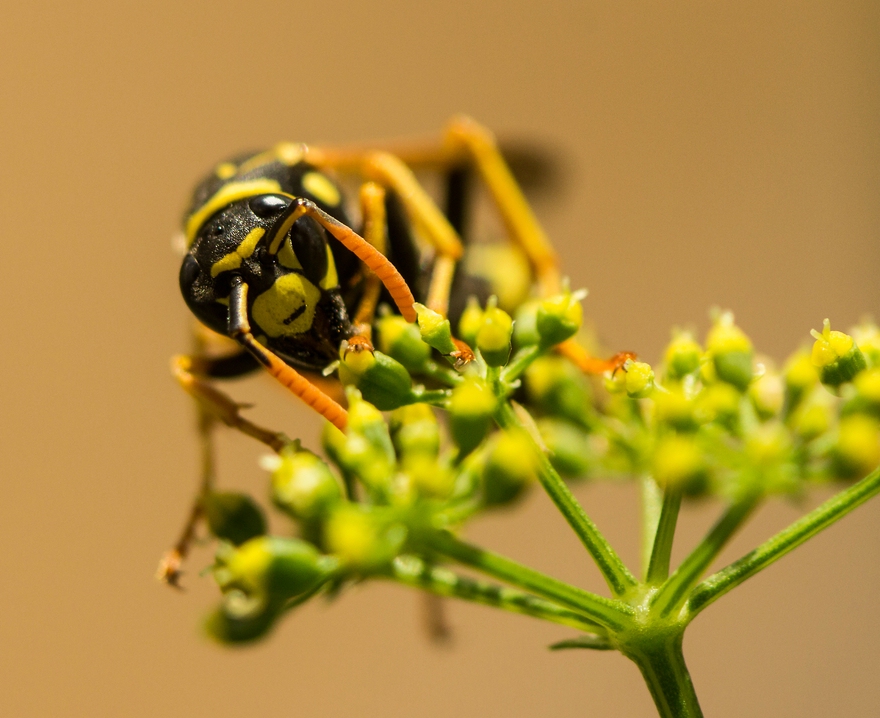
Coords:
435,329
560,317
678,462
731,352
836,355
858,445
493,337
639,379
470,413
682,355
470,321
402,341
767,394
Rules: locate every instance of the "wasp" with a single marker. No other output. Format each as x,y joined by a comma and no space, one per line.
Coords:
273,262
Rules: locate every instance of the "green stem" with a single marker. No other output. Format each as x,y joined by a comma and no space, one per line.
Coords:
786,540
413,571
440,373
664,670
614,571
437,397
652,505
658,567
605,612
673,593
520,362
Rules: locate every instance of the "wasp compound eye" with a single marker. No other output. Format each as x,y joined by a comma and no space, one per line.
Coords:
268,205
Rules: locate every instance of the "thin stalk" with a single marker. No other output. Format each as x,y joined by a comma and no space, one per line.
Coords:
658,567
616,574
519,363
441,373
673,593
786,540
652,505
605,612
664,670
414,572
437,397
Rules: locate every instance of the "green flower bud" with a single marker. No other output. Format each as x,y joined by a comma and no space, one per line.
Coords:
682,355
435,329
615,383
233,517
836,355
560,317
510,466
800,376
858,445
230,628
767,395
767,444
866,398
770,468
303,485
361,539
493,337
382,381
470,322
675,408
470,413
731,352
867,338
569,446
678,462
430,478
813,416
368,452
414,430
558,387
270,569
639,379
718,403
525,328
402,341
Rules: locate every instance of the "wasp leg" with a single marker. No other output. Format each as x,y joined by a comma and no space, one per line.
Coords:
212,405
478,143
363,250
589,364
392,173
435,619
240,330
480,146
372,198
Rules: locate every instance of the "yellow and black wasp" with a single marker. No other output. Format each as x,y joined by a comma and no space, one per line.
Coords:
273,262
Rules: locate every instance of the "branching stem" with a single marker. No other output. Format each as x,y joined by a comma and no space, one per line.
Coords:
786,540
616,574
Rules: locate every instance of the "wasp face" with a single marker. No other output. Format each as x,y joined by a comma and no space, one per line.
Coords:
294,305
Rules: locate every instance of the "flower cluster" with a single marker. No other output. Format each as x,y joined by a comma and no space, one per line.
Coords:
463,434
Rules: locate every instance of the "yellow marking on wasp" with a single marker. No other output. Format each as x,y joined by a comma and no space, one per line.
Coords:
289,152
283,229
331,278
222,300
292,295
224,196
225,170
320,186
287,257
244,250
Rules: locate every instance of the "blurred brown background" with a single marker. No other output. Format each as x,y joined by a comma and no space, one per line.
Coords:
716,153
